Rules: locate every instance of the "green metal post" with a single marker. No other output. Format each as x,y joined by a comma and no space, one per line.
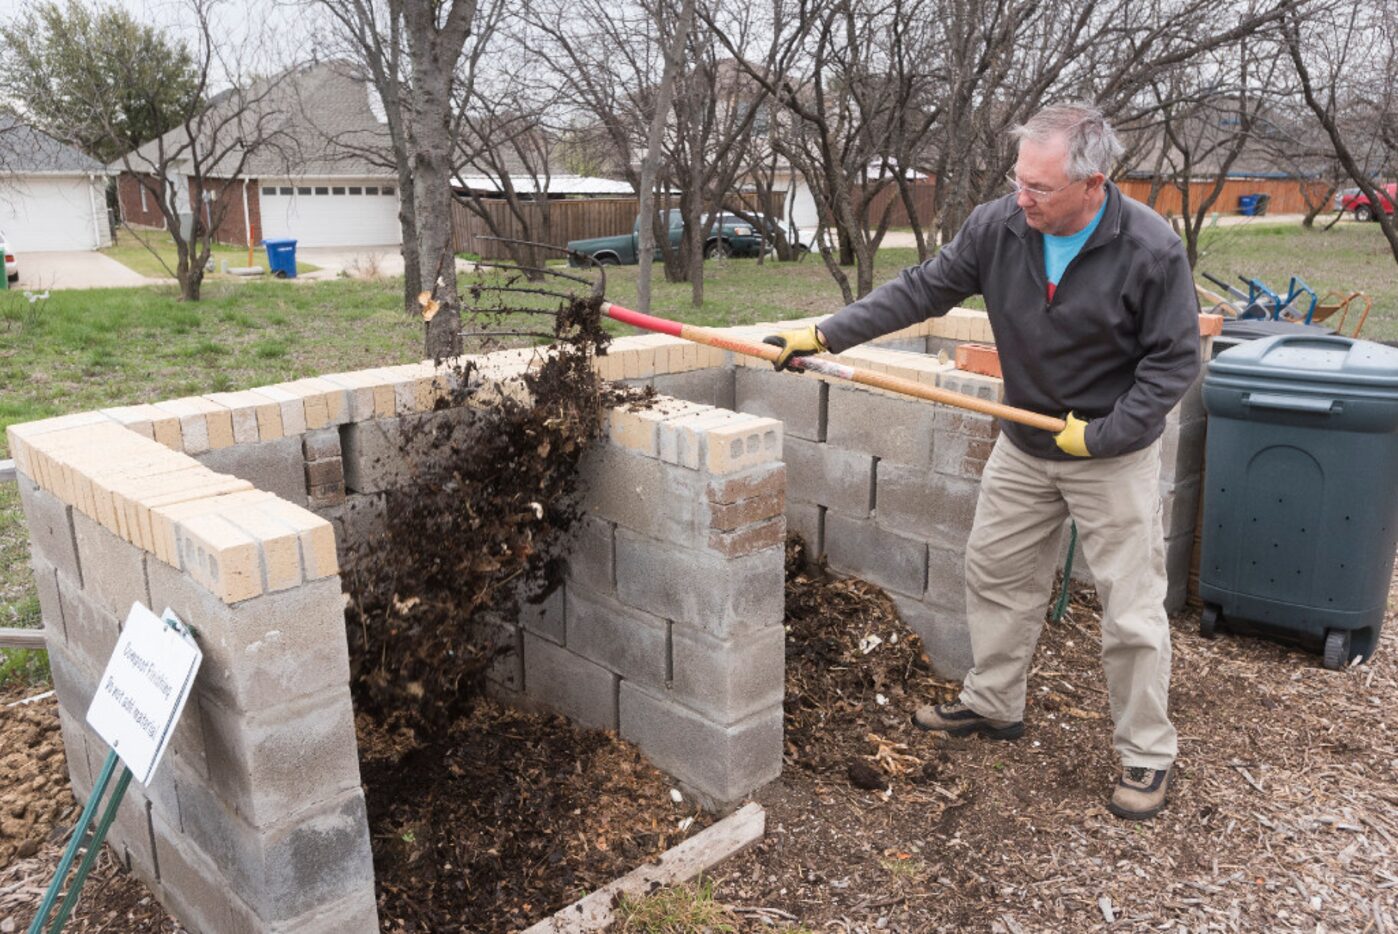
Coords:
1062,605
79,834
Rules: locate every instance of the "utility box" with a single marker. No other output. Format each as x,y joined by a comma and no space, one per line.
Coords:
281,258
1301,491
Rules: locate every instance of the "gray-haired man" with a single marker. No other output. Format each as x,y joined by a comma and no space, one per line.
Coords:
1092,303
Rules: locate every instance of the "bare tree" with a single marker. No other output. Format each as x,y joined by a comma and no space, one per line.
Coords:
1346,59
421,58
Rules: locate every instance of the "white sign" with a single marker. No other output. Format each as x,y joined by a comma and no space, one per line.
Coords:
142,692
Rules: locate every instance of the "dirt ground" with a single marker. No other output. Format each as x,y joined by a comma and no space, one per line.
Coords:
1284,815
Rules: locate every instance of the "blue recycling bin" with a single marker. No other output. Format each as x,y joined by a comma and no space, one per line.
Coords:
281,258
1253,205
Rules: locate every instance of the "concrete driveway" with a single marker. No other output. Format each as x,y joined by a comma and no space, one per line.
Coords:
354,262
78,269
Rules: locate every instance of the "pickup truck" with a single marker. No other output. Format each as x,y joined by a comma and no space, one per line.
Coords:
729,236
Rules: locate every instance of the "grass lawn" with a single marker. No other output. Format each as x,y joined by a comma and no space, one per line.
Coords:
132,253
86,349
1352,256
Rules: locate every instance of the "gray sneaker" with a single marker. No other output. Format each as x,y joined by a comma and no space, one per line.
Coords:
1140,794
959,720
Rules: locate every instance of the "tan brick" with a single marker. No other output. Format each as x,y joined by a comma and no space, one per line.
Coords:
137,418
278,543
742,443
160,510
163,519
681,438
242,409
220,557
292,410
205,424
317,536
359,393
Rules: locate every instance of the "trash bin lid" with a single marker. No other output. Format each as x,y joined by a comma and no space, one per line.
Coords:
1307,358
279,241
1252,328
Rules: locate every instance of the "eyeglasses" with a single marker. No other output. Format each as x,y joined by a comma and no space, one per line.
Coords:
1036,193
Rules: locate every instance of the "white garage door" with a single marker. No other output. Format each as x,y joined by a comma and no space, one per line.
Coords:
326,212
41,214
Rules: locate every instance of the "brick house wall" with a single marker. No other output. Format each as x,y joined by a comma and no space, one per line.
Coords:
225,211
134,210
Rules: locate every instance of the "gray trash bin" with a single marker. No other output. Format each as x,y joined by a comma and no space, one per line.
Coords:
1301,491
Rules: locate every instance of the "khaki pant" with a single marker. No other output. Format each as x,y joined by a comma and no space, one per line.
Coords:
1010,561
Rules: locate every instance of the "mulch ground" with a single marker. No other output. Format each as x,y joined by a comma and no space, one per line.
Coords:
1284,815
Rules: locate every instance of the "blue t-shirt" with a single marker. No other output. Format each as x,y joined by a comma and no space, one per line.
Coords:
1059,251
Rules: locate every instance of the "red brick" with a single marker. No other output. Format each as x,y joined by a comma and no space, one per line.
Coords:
748,485
330,470
730,516
750,539
1210,325
979,358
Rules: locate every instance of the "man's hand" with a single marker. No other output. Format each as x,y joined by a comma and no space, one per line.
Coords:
1073,439
799,343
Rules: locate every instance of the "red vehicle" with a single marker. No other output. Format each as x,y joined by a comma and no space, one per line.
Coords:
1357,203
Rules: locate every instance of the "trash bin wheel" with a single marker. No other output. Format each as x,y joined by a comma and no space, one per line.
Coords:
1209,620
1337,649
280,273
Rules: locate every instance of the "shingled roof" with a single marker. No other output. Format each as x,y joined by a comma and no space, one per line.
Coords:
325,118
27,151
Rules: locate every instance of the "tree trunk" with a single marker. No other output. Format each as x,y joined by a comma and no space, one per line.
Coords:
432,197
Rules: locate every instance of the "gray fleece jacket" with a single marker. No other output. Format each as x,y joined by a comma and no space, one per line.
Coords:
1118,345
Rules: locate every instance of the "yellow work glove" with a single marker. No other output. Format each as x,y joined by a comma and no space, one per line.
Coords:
1073,438
799,343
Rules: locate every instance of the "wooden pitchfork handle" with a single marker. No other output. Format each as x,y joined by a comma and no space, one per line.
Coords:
827,367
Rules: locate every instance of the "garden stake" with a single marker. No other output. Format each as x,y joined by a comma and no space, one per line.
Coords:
827,367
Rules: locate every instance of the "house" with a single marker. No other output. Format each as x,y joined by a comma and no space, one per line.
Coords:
52,197
324,175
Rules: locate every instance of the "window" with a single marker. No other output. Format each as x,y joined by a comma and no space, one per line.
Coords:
302,190
356,190
268,191
371,190
387,189
337,190
322,190
285,190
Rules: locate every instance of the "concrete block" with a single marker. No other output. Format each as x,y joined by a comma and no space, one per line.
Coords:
572,685
365,521
888,428
1182,451
259,762
317,857
546,617
355,914
798,402
829,476
728,680
918,502
644,494
1179,554
389,453
944,633
131,835
681,439
591,556
1179,506
723,597
808,521
274,466
714,386
50,605
902,344
93,628
116,570
722,764
862,548
50,524
265,651
75,748
633,644
506,668
946,580
192,886
973,384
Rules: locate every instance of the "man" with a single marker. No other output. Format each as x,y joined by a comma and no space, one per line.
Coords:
1092,303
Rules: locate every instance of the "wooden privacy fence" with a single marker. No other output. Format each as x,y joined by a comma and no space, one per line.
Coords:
1286,194
567,220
